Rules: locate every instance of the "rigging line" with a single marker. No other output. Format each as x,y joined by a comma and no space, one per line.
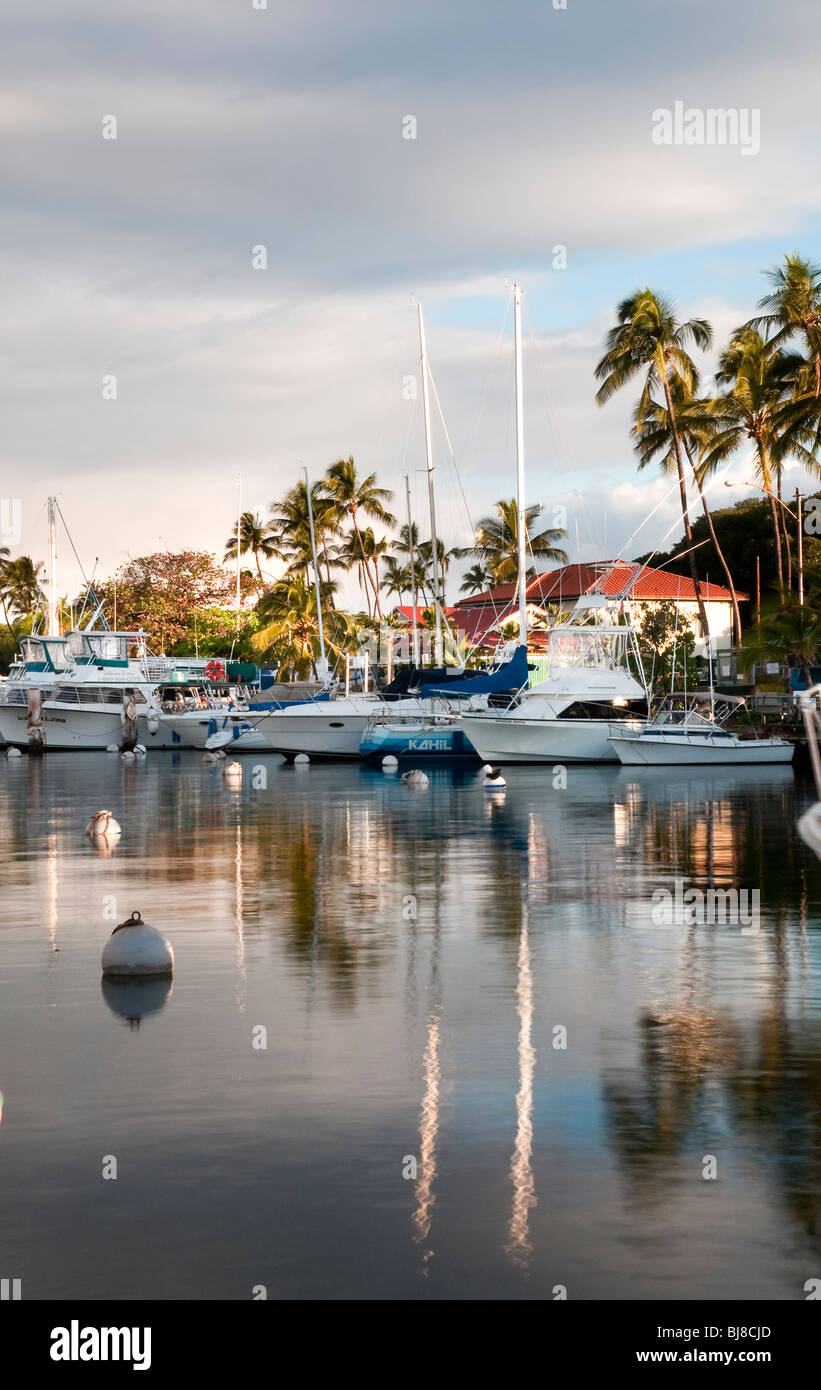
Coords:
555,428
488,376
452,455
77,558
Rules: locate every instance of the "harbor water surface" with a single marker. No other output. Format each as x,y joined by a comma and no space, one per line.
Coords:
419,1043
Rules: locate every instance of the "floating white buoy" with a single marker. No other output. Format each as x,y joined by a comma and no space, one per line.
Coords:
415,778
232,772
390,763
140,750
302,759
112,748
134,948
487,770
128,756
494,781
13,753
103,826
210,757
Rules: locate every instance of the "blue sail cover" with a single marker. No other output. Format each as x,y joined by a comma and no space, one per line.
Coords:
511,676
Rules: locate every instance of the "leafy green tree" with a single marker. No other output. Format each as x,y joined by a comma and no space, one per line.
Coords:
161,592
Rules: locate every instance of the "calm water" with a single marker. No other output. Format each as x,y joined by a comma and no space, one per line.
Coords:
410,955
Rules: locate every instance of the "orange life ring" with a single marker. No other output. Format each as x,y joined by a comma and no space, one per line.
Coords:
215,671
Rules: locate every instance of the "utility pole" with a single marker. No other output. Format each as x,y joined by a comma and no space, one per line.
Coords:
800,524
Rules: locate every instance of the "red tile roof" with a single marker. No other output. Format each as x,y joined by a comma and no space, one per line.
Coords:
621,578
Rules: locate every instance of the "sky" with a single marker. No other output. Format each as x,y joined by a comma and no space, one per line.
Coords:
242,125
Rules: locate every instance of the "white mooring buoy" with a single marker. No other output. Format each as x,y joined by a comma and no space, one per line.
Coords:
415,778
134,948
232,772
13,753
302,759
487,770
128,756
112,748
494,781
390,763
103,826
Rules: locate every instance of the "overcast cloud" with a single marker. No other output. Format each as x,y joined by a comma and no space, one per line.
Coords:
283,127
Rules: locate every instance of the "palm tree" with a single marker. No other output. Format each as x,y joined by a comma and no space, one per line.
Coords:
408,544
356,495
291,526
396,578
289,625
794,306
374,551
787,633
256,536
648,338
4,556
760,407
476,580
653,436
497,541
20,584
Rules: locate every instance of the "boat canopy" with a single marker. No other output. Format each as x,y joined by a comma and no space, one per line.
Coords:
512,675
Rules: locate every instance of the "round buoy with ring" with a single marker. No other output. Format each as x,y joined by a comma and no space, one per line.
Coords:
103,826
215,671
415,778
494,781
134,948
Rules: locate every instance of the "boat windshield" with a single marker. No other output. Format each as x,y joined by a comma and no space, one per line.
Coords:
588,648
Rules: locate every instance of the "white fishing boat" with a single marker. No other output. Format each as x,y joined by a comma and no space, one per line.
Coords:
595,687
79,691
688,730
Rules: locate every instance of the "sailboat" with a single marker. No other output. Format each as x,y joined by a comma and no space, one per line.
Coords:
596,679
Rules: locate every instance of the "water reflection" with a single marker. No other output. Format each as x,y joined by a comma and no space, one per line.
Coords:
134,1000
521,1169
291,902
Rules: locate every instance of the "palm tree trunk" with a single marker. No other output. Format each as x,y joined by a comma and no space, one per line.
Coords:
365,565
777,532
708,517
259,570
685,515
784,532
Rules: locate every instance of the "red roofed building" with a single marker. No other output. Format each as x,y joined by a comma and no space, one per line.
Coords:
619,585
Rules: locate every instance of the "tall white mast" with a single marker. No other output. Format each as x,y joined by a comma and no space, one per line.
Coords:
411,550
53,605
324,671
239,539
434,550
521,542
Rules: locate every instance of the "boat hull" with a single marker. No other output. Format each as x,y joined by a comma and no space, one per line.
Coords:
435,741
325,735
676,752
502,739
194,732
84,730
